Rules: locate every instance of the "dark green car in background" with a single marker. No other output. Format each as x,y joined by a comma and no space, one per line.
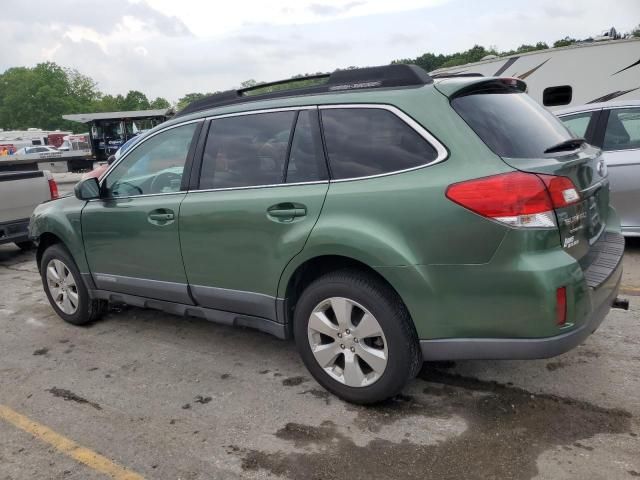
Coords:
379,217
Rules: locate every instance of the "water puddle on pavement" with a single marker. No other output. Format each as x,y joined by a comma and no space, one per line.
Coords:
507,428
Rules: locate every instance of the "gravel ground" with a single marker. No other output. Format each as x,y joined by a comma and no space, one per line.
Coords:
171,398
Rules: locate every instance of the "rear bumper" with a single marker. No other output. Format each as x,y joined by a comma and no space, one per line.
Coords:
528,348
14,231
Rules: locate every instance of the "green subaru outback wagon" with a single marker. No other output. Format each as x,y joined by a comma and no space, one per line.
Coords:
379,217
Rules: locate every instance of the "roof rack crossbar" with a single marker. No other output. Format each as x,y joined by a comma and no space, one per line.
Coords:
387,76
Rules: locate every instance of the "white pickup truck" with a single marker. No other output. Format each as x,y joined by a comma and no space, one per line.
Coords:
20,193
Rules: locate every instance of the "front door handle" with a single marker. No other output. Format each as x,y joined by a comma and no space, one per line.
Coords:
286,211
161,216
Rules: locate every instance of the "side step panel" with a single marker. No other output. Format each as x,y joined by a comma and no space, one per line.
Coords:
217,316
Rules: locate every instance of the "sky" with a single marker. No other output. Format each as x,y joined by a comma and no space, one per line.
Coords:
171,47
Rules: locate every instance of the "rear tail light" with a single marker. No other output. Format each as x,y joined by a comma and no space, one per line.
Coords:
53,186
561,306
562,190
517,199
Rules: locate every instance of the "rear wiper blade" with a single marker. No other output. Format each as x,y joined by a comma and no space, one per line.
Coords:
566,145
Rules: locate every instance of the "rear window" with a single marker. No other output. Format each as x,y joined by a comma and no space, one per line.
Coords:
511,124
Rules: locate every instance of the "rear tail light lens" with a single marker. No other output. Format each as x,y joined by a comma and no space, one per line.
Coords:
517,199
562,190
561,306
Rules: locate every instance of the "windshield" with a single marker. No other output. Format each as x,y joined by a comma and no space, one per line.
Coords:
511,124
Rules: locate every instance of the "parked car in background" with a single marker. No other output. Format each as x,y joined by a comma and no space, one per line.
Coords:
20,193
36,149
380,218
615,128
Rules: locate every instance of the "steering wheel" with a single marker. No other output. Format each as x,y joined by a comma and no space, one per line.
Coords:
162,181
131,186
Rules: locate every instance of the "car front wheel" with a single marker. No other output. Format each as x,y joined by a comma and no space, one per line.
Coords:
65,290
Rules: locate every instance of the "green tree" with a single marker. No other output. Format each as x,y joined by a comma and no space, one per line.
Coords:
159,103
39,96
636,31
564,42
190,97
135,100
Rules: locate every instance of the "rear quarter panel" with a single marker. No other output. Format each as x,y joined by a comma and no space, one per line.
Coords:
405,219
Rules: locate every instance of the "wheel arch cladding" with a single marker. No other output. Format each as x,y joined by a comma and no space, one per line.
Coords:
298,275
64,227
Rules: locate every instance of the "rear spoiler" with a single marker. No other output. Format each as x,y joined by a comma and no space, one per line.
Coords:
458,87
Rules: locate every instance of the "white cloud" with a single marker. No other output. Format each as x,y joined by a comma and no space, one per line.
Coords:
218,18
168,47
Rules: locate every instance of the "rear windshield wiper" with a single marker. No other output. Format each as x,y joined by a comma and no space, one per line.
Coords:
566,145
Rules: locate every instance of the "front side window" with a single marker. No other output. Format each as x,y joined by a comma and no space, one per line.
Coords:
156,166
247,150
578,123
371,141
623,129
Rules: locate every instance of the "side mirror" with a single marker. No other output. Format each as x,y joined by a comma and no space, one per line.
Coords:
87,189
111,159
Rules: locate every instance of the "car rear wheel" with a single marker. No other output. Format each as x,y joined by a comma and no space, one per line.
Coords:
356,337
65,290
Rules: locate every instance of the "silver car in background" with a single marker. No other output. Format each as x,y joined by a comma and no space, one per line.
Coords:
615,128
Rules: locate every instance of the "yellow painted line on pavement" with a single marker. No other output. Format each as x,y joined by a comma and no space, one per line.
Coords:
630,290
68,447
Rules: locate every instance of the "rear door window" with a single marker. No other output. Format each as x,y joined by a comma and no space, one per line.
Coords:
623,129
247,150
513,125
306,160
577,123
371,141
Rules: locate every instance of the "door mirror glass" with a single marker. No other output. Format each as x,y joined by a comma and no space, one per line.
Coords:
87,189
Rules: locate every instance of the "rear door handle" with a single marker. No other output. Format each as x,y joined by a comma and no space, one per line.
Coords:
286,211
161,216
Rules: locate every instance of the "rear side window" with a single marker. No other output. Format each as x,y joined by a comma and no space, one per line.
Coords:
578,123
371,141
623,129
247,150
511,124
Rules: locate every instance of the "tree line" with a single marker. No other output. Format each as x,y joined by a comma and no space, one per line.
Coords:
39,96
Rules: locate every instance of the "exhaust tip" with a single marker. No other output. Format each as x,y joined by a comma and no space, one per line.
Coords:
621,303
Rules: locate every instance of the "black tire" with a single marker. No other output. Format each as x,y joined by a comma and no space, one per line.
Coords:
404,357
26,245
88,310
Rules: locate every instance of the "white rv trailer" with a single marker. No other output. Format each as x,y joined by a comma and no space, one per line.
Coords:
574,75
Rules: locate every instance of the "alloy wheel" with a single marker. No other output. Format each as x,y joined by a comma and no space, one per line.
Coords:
62,286
347,342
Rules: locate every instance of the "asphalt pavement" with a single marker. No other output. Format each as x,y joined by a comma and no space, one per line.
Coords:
143,394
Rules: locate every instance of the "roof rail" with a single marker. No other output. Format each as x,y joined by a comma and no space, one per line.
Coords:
454,75
388,76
